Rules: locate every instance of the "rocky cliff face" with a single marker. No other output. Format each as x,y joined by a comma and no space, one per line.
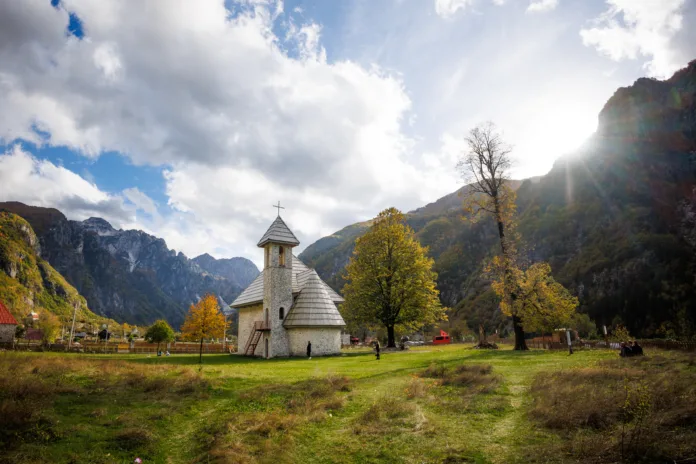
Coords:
29,283
129,275
613,220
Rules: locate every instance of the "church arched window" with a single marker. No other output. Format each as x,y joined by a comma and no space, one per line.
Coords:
281,256
281,313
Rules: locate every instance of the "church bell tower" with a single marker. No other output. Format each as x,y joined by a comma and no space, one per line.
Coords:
277,242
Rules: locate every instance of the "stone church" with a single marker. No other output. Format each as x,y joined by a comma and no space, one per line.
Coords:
287,305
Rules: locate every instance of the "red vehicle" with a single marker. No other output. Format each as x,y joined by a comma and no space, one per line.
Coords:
442,339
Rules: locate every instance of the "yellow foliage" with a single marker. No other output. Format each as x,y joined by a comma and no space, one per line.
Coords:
390,280
49,325
542,303
204,320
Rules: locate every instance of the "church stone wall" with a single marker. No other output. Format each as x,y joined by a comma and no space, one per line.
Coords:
247,317
277,288
325,341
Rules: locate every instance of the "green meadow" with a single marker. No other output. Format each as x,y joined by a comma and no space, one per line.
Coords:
451,404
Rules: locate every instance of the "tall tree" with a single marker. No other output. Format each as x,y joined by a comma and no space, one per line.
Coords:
541,303
49,324
159,332
390,279
485,167
204,320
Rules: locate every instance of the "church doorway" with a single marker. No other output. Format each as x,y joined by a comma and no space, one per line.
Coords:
265,353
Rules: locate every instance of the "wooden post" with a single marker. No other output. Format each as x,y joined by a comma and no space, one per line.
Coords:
570,345
72,329
606,337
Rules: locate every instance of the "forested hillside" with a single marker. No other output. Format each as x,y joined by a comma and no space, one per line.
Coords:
616,220
29,283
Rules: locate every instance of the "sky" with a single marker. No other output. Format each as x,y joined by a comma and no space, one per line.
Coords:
189,120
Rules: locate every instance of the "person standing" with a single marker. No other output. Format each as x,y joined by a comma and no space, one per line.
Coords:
309,350
377,349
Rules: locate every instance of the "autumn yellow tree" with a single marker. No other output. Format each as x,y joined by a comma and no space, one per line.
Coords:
390,279
541,303
485,167
49,324
204,320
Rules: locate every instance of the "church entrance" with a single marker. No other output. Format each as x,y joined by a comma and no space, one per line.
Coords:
265,351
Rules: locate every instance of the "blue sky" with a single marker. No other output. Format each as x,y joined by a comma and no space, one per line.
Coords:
189,119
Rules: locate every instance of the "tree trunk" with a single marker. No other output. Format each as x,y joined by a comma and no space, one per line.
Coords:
520,343
200,353
391,343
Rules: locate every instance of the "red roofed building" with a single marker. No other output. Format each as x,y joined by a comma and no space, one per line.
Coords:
8,325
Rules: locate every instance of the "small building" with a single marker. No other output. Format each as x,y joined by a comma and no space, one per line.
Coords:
8,325
32,318
34,334
288,305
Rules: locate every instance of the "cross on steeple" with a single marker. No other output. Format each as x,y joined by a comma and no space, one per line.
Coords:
279,207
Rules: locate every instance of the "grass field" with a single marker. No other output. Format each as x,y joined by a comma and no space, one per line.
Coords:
449,404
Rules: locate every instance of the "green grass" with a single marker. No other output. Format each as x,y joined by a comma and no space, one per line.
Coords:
347,409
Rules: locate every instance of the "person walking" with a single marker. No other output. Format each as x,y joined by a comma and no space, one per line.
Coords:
309,350
377,349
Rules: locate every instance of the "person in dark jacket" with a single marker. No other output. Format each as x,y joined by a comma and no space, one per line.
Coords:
636,349
377,349
309,350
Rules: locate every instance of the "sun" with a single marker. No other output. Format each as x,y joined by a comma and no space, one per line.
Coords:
552,132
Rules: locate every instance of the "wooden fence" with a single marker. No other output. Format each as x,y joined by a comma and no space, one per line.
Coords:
601,344
136,348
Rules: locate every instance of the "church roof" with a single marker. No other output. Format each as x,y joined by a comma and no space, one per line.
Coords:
313,307
279,233
254,292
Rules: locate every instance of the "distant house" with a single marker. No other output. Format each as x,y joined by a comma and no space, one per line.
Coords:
8,325
32,318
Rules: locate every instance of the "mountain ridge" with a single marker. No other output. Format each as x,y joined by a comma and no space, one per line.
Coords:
610,219
129,275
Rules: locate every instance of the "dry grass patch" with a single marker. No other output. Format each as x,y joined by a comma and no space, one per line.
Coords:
269,436
631,409
391,415
477,378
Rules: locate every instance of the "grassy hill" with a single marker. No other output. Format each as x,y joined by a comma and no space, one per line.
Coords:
27,282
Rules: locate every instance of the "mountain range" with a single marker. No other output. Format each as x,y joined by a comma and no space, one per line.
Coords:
129,275
616,220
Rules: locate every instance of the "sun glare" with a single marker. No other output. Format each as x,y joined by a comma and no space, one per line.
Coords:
554,132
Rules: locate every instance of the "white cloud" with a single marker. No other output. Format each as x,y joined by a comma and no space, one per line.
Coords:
447,8
240,116
538,6
37,182
633,28
141,201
